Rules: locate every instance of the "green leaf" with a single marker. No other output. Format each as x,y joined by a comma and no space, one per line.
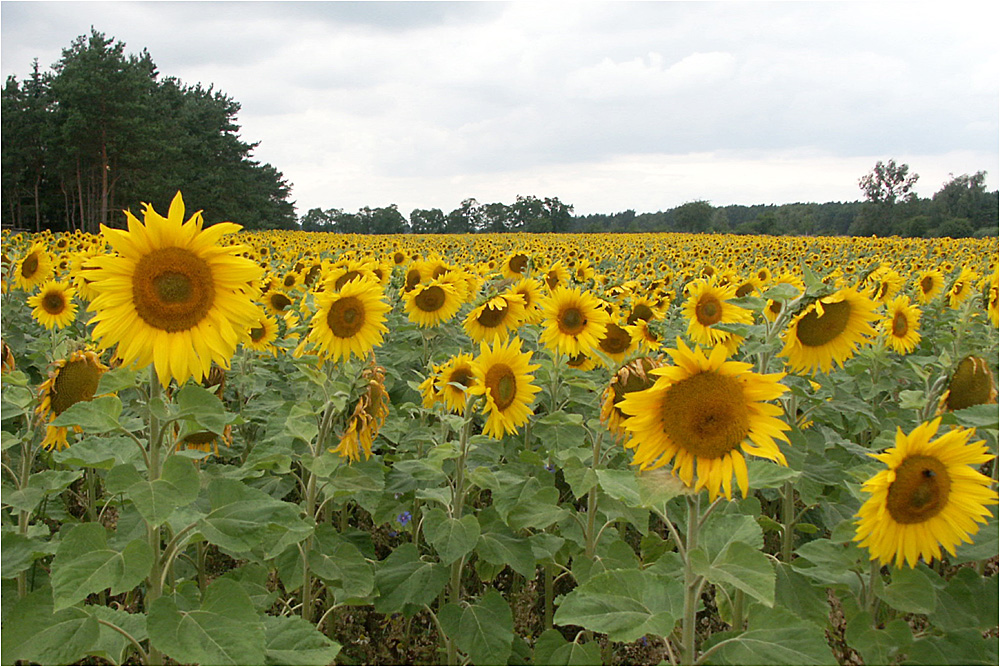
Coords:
621,485
452,538
504,548
978,416
968,600
97,416
100,452
405,582
116,380
876,645
624,604
911,590
581,478
962,647
484,630
559,430
797,594
301,423
111,644
34,633
722,530
291,640
84,564
243,518
984,545
120,478
773,637
223,630
177,487
203,407
20,551
533,506
740,565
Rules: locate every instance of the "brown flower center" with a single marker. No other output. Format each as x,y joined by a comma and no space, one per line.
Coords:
279,301
571,321
900,326
491,318
640,312
708,311
257,334
616,340
919,491
706,414
972,384
344,279
817,330
518,262
54,303
76,381
346,316
30,265
431,299
502,385
172,289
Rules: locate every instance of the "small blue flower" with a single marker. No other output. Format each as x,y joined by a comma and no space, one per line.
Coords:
404,518
550,467
644,641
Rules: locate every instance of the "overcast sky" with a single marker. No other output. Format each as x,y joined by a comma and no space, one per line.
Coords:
607,106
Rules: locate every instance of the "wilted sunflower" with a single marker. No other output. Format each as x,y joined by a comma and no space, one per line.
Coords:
34,268
930,283
703,414
633,376
53,306
351,321
929,497
367,418
900,325
491,322
430,304
707,305
73,379
971,384
173,295
573,321
502,375
829,331
263,334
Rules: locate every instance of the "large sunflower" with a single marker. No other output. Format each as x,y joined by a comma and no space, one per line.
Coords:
73,379
929,497
707,305
34,268
502,375
173,295
901,324
53,306
351,321
703,414
829,331
430,304
930,283
574,322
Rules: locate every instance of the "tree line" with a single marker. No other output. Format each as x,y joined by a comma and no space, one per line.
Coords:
102,132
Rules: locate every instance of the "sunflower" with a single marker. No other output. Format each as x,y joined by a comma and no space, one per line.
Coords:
930,496
617,342
53,306
491,321
516,265
962,288
581,362
556,274
351,321
430,304
34,268
172,295
573,321
700,414
263,334
531,290
971,384
829,331
633,376
72,380
901,324
454,378
707,305
930,283
277,302
993,300
367,418
885,282
502,375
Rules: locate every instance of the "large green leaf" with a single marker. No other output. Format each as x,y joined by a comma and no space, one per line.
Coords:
84,564
800,596
624,604
20,551
177,487
911,590
500,547
740,565
551,648
877,646
34,633
961,647
452,538
968,600
773,637
405,582
484,630
97,416
291,640
243,519
224,630
111,644
529,505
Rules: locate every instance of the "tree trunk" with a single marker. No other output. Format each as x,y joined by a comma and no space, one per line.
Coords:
38,210
105,167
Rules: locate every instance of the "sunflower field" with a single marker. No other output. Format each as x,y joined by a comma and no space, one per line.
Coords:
293,448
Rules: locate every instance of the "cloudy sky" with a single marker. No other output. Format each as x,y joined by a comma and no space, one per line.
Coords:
606,105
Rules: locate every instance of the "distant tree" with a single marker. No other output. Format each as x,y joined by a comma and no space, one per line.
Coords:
427,221
693,216
966,197
884,186
465,219
316,220
496,218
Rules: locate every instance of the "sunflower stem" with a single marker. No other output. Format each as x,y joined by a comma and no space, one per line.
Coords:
787,521
692,582
549,592
154,587
457,506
